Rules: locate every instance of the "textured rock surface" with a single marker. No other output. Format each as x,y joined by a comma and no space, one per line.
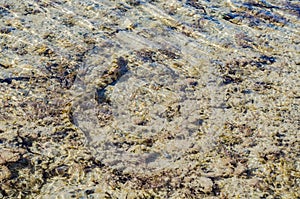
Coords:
207,105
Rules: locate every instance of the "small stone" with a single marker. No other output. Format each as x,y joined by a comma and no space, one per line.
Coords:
8,156
4,173
206,184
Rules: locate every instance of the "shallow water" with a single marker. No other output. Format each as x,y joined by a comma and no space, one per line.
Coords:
172,76
207,94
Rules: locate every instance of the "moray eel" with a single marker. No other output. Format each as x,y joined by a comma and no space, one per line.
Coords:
97,91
